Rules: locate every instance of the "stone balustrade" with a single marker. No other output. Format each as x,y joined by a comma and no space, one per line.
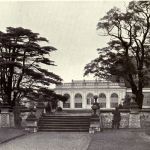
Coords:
89,84
126,121
7,118
107,117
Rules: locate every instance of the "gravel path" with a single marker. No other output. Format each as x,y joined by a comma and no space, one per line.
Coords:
10,133
106,140
120,140
49,141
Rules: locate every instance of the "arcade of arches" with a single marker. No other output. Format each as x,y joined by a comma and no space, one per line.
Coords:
78,100
89,100
80,94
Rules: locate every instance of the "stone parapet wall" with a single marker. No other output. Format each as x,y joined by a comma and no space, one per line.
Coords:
6,119
107,116
124,123
106,120
134,120
145,115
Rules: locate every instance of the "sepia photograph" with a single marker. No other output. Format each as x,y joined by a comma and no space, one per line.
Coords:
74,74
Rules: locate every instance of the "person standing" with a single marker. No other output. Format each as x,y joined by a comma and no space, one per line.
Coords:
116,118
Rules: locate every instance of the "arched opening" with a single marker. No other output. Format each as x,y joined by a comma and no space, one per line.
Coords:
89,99
78,101
102,100
67,103
114,100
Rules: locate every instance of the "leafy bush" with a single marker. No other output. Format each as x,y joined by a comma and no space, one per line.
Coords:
59,109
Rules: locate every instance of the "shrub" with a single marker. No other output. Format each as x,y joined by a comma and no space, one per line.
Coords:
59,109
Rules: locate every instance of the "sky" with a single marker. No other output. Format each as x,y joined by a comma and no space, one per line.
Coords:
70,26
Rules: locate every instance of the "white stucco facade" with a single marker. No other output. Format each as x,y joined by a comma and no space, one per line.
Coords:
85,88
80,93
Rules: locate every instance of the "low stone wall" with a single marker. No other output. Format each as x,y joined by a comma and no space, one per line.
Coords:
144,116
107,119
7,116
107,116
6,119
124,123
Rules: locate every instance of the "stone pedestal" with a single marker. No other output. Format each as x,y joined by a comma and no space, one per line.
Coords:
95,120
94,125
5,116
134,117
124,123
134,120
11,117
40,108
147,126
31,123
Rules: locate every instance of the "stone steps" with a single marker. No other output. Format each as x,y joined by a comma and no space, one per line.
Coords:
54,123
63,123
63,130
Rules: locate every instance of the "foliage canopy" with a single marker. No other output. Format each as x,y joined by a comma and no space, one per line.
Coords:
127,55
23,59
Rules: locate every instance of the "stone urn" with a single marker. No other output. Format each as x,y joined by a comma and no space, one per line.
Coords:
95,105
94,121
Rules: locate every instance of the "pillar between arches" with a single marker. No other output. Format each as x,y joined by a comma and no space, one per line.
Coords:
72,101
107,100
84,100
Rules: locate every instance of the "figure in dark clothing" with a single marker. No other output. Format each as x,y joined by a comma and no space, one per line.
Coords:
116,118
48,108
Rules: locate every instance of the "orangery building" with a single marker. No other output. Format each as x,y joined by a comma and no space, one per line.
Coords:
80,94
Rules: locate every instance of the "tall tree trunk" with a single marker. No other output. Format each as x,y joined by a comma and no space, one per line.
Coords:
140,96
139,99
137,90
17,117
